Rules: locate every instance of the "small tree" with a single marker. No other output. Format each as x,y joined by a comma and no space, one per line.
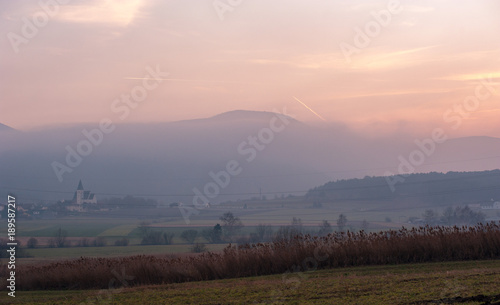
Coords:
199,248
464,215
152,238
213,235
217,233
364,225
32,243
284,234
52,242
296,227
448,216
341,222
189,235
84,242
230,224
144,228
325,228
429,217
263,233
60,238
100,242
122,242
168,238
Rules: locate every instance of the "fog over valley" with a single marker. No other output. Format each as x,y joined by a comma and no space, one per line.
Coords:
272,154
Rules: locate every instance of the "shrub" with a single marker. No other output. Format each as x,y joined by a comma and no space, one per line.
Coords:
325,228
157,238
365,225
168,238
52,243
341,222
199,248
189,235
100,242
213,235
122,242
84,242
32,243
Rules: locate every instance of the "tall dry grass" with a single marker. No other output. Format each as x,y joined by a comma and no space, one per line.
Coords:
301,253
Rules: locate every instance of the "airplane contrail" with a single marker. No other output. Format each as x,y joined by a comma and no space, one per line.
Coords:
319,116
195,80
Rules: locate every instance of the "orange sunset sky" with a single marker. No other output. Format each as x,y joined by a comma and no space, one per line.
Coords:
255,55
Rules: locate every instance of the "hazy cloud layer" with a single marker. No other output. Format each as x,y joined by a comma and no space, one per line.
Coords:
170,159
428,58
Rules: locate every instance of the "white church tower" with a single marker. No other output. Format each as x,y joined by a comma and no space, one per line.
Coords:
82,196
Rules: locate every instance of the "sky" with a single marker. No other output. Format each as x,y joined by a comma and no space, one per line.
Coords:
379,67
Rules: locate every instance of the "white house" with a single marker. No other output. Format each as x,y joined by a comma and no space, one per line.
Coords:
494,206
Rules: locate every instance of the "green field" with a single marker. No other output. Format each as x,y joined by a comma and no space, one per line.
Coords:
267,213
76,227
471,282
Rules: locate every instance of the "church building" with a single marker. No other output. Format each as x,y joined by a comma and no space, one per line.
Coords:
82,196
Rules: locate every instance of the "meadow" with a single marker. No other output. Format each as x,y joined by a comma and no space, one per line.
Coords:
360,268
465,282
115,225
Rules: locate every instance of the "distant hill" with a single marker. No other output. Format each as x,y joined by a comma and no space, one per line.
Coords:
4,127
237,116
172,160
246,115
435,188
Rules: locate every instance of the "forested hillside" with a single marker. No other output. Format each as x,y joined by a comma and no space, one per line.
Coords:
437,188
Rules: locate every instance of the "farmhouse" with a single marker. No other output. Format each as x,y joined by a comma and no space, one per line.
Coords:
493,206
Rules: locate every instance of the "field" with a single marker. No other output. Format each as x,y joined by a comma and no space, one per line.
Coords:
469,282
466,282
110,251
115,225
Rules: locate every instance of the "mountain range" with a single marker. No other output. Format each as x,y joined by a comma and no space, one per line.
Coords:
5,128
275,154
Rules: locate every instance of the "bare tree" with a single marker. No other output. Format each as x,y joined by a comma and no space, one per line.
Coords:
430,217
60,238
341,222
448,216
365,225
325,228
230,224
144,228
297,228
262,233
